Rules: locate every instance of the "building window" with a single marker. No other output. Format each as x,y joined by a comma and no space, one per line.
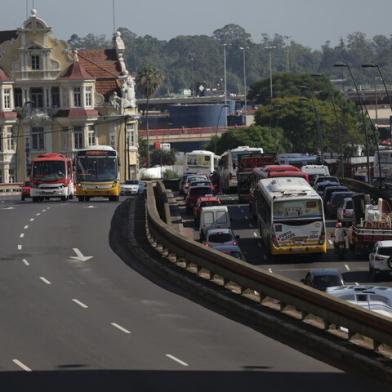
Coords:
1,141
18,97
89,96
1,176
37,97
55,93
11,175
131,135
10,137
7,98
37,136
35,61
92,140
78,137
76,97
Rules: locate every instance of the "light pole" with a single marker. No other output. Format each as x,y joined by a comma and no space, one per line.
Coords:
224,72
344,65
269,48
245,89
225,106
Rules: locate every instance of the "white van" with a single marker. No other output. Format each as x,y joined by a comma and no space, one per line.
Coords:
214,217
315,170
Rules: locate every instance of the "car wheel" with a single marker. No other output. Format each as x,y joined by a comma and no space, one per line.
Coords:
22,198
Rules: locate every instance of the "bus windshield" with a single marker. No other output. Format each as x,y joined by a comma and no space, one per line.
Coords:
96,169
293,209
48,170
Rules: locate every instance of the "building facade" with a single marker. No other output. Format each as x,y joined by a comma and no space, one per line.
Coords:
54,99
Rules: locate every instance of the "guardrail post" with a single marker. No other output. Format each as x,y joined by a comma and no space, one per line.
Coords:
376,345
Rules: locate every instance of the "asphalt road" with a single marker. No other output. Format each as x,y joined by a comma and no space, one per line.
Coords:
354,270
68,320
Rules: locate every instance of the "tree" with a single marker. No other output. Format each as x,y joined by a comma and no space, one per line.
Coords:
270,139
161,157
232,34
147,81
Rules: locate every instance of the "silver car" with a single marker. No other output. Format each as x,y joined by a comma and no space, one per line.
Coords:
380,259
345,210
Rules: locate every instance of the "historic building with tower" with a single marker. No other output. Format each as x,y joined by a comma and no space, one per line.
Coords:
55,99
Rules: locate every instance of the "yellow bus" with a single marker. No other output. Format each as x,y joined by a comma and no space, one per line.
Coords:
97,173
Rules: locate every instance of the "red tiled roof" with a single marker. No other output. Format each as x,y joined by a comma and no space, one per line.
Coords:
76,71
104,66
3,76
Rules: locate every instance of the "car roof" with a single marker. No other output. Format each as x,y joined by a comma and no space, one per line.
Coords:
384,244
222,230
325,271
215,208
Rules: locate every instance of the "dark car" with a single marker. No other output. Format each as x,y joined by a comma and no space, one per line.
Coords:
319,179
320,187
331,189
334,202
322,278
25,190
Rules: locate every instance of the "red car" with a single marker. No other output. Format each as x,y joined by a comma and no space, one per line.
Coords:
25,190
204,201
194,193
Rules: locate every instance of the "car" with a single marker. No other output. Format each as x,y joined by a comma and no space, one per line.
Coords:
25,190
321,178
189,179
203,183
131,187
331,208
331,189
345,210
315,170
194,193
231,250
224,236
320,187
204,201
322,278
213,218
380,259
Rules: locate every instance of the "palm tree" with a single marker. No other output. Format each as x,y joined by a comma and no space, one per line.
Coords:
148,80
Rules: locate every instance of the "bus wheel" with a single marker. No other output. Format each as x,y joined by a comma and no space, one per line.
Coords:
114,198
81,198
63,198
70,197
86,198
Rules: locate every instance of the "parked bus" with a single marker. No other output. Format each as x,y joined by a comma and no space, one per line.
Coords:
51,177
228,164
290,216
97,173
200,162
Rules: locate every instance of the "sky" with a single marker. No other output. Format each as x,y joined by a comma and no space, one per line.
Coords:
308,22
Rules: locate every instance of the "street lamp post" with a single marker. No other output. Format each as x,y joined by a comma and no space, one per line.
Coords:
343,65
225,106
270,67
245,88
224,72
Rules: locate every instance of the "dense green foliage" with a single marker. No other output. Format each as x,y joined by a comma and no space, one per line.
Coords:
271,139
184,61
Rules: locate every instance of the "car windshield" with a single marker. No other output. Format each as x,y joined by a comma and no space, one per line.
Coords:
220,237
209,203
324,281
385,251
48,170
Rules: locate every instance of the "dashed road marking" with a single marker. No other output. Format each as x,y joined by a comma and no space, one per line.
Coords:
250,225
175,359
119,327
32,219
38,214
254,234
19,247
25,262
80,303
246,218
21,365
347,267
356,284
270,270
21,235
26,227
330,242
43,210
46,281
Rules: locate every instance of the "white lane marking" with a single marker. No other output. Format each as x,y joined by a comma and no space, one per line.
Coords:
115,325
79,255
48,208
330,242
38,214
173,358
46,281
254,234
356,284
270,270
26,227
347,267
21,365
25,262
19,247
31,219
21,235
246,218
43,210
80,303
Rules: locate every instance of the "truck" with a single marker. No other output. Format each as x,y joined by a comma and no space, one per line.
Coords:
371,223
51,176
246,164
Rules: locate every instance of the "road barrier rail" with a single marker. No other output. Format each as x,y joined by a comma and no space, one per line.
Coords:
340,318
14,187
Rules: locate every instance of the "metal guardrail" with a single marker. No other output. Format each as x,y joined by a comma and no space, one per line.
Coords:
287,294
14,187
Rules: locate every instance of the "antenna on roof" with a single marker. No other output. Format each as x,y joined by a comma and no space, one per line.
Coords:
114,16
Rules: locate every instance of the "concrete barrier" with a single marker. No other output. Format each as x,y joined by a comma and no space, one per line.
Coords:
304,302
10,188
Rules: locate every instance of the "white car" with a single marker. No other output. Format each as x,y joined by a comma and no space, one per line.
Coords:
345,210
380,260
130,187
